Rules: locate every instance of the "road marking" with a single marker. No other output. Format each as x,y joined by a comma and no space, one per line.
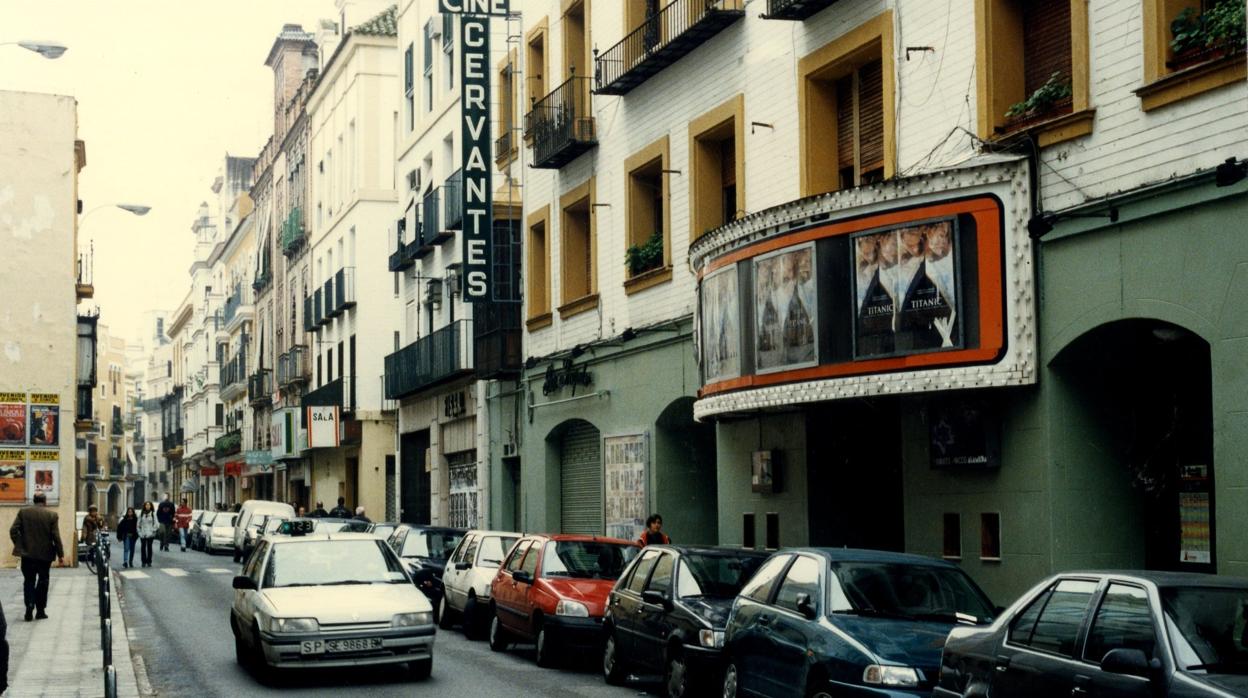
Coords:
218,570
133,574
174,572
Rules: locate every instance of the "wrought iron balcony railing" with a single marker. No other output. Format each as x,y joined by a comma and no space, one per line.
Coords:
453,202
344,291
497,337
794,9
429,361
432,230
331,310
561,125
228,444
662,39
260,388
293,233
292,367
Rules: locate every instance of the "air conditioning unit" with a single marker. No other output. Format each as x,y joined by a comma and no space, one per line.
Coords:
433,292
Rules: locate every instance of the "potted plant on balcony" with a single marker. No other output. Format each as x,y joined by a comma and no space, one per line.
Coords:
645,257
1205,36
1051,98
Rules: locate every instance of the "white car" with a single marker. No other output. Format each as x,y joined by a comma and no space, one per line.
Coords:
466,581
219,537
329,600
247,527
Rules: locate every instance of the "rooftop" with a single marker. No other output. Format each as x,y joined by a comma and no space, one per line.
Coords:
384,24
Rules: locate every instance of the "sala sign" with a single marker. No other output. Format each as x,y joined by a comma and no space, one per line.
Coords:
475,153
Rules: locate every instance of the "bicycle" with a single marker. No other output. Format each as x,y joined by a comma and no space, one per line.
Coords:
102,548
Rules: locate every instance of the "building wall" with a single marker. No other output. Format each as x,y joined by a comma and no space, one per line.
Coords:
38,200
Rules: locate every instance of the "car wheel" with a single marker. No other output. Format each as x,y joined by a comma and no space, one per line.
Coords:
498,636
730,681
446,619
545,651
260,668
676,674
420,671
471,619
613,667
241,655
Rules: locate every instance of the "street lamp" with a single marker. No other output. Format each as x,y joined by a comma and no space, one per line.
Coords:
47,49
136,209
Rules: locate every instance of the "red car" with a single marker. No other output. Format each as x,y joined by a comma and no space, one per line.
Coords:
552,590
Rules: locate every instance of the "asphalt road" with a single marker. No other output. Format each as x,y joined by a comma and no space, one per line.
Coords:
177,616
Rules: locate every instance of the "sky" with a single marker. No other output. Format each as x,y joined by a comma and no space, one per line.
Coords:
165,89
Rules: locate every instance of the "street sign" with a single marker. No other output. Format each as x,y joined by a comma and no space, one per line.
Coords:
478,226
496,8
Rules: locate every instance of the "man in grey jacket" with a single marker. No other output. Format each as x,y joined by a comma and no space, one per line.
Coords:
37,540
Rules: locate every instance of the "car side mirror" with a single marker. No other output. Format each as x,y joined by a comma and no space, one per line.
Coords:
656,598
522,577
461,566
243,582
1131,662
805,606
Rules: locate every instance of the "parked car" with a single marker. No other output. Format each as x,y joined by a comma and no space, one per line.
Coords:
424,551
329,600
828,621
247,526
552,589
466,581
270,524
1120,634
667,613
383,529
328,525
199,526
219,537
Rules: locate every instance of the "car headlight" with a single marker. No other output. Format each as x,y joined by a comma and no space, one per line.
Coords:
879,675
411,620
293,625
711,638
571,608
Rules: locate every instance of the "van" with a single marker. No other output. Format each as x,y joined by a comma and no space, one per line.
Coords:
246,528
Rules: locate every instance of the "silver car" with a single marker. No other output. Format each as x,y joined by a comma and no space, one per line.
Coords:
329,600
219,537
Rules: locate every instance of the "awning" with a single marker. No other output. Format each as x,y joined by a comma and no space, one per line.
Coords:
234,468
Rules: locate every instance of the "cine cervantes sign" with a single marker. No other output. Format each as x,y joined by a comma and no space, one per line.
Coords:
475,153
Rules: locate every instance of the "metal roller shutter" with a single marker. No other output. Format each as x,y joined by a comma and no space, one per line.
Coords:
580,482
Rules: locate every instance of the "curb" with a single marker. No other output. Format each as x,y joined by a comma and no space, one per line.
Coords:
132,673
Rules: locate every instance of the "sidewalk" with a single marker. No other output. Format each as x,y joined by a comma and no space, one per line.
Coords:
61,656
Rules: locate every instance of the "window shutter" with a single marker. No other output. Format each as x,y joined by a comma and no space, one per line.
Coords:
407,69
1046,42
845,122
871,115
428,44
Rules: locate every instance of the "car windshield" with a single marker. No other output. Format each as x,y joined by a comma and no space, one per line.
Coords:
494,549
586,559
716,575
208,519
1208,628
226,520
272,523
902,590
331,562
330,526
432,544
383,530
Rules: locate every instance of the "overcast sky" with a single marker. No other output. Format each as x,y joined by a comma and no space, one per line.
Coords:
165,89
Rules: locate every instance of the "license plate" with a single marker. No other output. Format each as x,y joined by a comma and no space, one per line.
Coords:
354,645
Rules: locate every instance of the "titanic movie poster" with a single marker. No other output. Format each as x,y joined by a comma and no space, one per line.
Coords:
905,286
721,329
785,308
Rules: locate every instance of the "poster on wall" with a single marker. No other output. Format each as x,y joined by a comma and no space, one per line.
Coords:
624,460
786,308
963,432
1194,543
905,290
42,473
12,419
721,328
45,412
12,476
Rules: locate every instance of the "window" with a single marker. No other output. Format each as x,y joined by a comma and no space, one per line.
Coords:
428,66
845,109
1025,622
759,587
448,49
717,164
538,291
952,548
1057,626
535,64
506,148
648,216
773,531
1122,622
578,251
638,581
748,537
802,578
661,579
1169,77
530,560
990,536
1053,35
576,56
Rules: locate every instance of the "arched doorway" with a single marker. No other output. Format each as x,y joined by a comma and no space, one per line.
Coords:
577,446
1133,431
685,481
114,505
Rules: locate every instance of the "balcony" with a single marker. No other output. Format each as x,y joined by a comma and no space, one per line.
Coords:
318,309
401,259
794,9
171,443
293,235
263,278
292,367
343,297
260,388
497,332
331,311
234,373
661,40
504,146
84,411
561,125
228,444
453,202
348,403
328,395
432,230
238,300
93,460
428,361
85,284
309,324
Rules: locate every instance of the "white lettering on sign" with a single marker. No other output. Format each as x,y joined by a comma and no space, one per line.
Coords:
475,7
474,97
476,148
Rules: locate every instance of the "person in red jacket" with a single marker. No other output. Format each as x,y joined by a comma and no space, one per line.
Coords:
654,535
182,521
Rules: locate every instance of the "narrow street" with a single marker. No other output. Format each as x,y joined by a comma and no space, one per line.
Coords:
177,614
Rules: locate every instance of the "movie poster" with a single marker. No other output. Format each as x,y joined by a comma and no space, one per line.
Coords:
906,288
624,467
785,329
45,415
42,472
12,476
1194,529
12,419
721,328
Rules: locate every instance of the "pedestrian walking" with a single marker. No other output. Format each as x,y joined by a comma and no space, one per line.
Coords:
182,521
359,515
148,528
341,511
319,511
165,512
37,540
92,524
654,535
128,532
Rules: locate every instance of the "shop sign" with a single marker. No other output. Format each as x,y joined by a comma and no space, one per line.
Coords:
234,468
569,375
287,436
260,457
497,8
210,470
475,147
43,475
625,461
323,426
964,432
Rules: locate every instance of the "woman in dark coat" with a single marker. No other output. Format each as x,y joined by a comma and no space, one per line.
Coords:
128,532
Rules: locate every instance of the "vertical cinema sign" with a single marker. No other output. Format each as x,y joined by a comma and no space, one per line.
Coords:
475,144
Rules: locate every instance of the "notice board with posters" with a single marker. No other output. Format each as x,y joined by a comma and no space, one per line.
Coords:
625,460
13,476
43,474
